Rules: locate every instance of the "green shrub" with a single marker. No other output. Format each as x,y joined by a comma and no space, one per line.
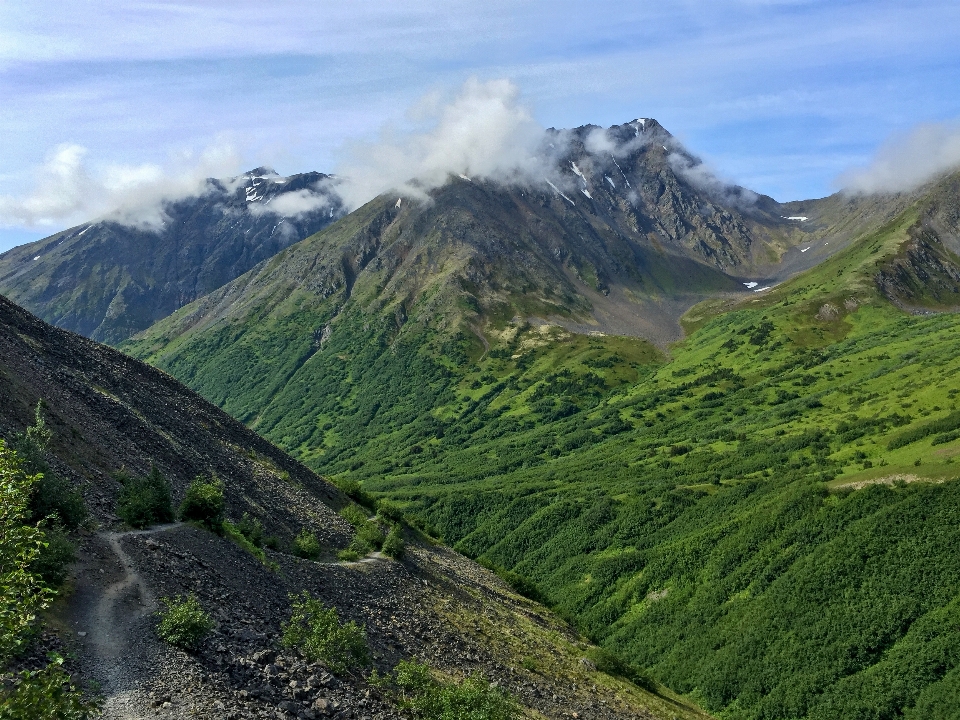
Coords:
354,515
415,690
45,694
183,622
252,529
272,542
306,545
56,498
51,496
232,532
145,501
393,545
369,536
203,504
52,561
389,511
317,633
610,664
348,555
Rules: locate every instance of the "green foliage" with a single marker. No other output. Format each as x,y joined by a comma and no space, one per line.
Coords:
645,498
45,694
389,511
306,545
354,515
52,561
393,545
52,498
235,535
252,529
610,664
417,692
369,537
317,633
24,592
145,501
183,622
520,584
203,504
348,555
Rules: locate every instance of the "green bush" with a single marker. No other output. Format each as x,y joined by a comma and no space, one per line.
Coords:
354,515
203,504
183,622
369,536
45,694
317,633
56,498
415,690
52,561
610,664
306,545
389,511
394,546
51,496
252,529
348,555
145,501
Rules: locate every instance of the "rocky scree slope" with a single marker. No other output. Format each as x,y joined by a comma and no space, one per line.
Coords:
108,280
107,412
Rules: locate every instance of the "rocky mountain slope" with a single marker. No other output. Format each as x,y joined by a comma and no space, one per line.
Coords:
108,280
109,412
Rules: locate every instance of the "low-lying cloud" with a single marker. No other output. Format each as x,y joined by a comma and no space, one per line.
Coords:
702,177
295,203
907,161
66,190
484,132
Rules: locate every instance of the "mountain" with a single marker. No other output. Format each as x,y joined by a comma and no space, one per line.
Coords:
782,480
108,280
112,416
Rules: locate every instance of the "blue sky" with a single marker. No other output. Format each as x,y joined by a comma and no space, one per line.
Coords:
782,96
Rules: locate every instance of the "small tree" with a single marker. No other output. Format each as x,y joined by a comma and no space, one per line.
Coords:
393,545
204,504
316,631
306,545
183,622
145,501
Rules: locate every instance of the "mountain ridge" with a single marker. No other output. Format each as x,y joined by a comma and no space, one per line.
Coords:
108,280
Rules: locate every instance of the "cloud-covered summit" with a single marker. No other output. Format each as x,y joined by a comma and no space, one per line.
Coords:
908,160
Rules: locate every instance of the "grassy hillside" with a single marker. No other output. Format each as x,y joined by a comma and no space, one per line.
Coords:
765,519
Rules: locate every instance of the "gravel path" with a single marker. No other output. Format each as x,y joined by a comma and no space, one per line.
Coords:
111,611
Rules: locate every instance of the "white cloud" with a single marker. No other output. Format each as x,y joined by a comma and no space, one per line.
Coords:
484,132
66,191
907,161
702,177
294,203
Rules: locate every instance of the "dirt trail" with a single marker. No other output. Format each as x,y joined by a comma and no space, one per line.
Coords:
112,605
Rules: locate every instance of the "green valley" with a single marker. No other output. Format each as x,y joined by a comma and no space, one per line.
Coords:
763,516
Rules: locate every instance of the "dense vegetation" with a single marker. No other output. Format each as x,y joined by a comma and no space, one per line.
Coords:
765,520
48,692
